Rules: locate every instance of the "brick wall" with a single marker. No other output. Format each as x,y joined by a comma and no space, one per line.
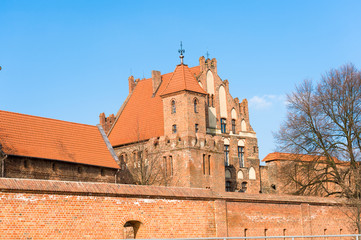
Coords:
39,209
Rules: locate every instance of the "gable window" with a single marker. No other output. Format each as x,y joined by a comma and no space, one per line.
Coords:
223,125
173,107
195,105
196,127
233,126
226,155
241,156
174,128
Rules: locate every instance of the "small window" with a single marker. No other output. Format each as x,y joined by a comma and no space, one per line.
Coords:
195,102
102,172
174,128
204,164
171,165
209,164
226,155
53,167
228,186
196,127
26,164
80,170
233,126
241,156
173,107
243,187
223,125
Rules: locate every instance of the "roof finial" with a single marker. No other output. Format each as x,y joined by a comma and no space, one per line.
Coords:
181,51
207,54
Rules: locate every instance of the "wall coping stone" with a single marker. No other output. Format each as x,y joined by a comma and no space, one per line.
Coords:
124,190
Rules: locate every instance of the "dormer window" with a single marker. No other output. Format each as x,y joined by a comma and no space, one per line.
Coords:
173,107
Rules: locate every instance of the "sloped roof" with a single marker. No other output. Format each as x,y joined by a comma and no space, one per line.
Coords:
182,79
38,137
142,116
277,156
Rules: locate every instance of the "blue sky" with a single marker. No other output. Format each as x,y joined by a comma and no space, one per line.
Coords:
70,60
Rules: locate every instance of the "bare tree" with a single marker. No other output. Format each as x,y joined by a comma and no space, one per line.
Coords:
324,120
147,164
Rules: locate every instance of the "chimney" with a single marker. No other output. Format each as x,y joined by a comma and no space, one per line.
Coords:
131,84
202,63
156,80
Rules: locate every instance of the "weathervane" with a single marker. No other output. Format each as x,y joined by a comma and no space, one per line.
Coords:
181,51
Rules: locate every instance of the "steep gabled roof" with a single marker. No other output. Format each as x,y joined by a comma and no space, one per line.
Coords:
141,117
182,79
38,137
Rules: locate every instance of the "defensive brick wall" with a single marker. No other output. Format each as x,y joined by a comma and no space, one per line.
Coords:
41,209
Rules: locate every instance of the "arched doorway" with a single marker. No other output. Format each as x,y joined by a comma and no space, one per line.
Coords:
131,229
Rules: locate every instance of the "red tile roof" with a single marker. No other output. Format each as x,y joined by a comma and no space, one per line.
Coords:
142,116
277,156
38,137
182,79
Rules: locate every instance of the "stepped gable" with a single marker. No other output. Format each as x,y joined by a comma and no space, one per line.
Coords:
38,137
182,80
142,116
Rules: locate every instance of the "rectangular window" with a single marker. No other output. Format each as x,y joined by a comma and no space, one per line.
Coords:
209,164
223,125
226,155
174,128
165,165
204,164
196,127
233,126
170,166
241,156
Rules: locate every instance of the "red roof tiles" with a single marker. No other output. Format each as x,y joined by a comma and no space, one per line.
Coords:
182,79
38,137
142,115
277,156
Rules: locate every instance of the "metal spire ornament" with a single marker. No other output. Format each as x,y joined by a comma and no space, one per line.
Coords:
181,51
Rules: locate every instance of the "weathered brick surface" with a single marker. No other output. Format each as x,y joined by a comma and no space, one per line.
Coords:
39,209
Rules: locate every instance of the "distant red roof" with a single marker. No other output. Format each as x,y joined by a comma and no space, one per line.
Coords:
38,137
277,156
142,116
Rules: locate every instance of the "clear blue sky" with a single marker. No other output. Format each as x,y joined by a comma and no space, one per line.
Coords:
70,60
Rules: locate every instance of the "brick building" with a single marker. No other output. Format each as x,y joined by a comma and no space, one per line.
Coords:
187,124
43,148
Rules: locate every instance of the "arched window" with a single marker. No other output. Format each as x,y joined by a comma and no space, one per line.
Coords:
210,83
252,173
195,103
243,126
233,126
222,102
226,155
174,128
173,107
241,153
228,174
228,186
240,174
223,125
